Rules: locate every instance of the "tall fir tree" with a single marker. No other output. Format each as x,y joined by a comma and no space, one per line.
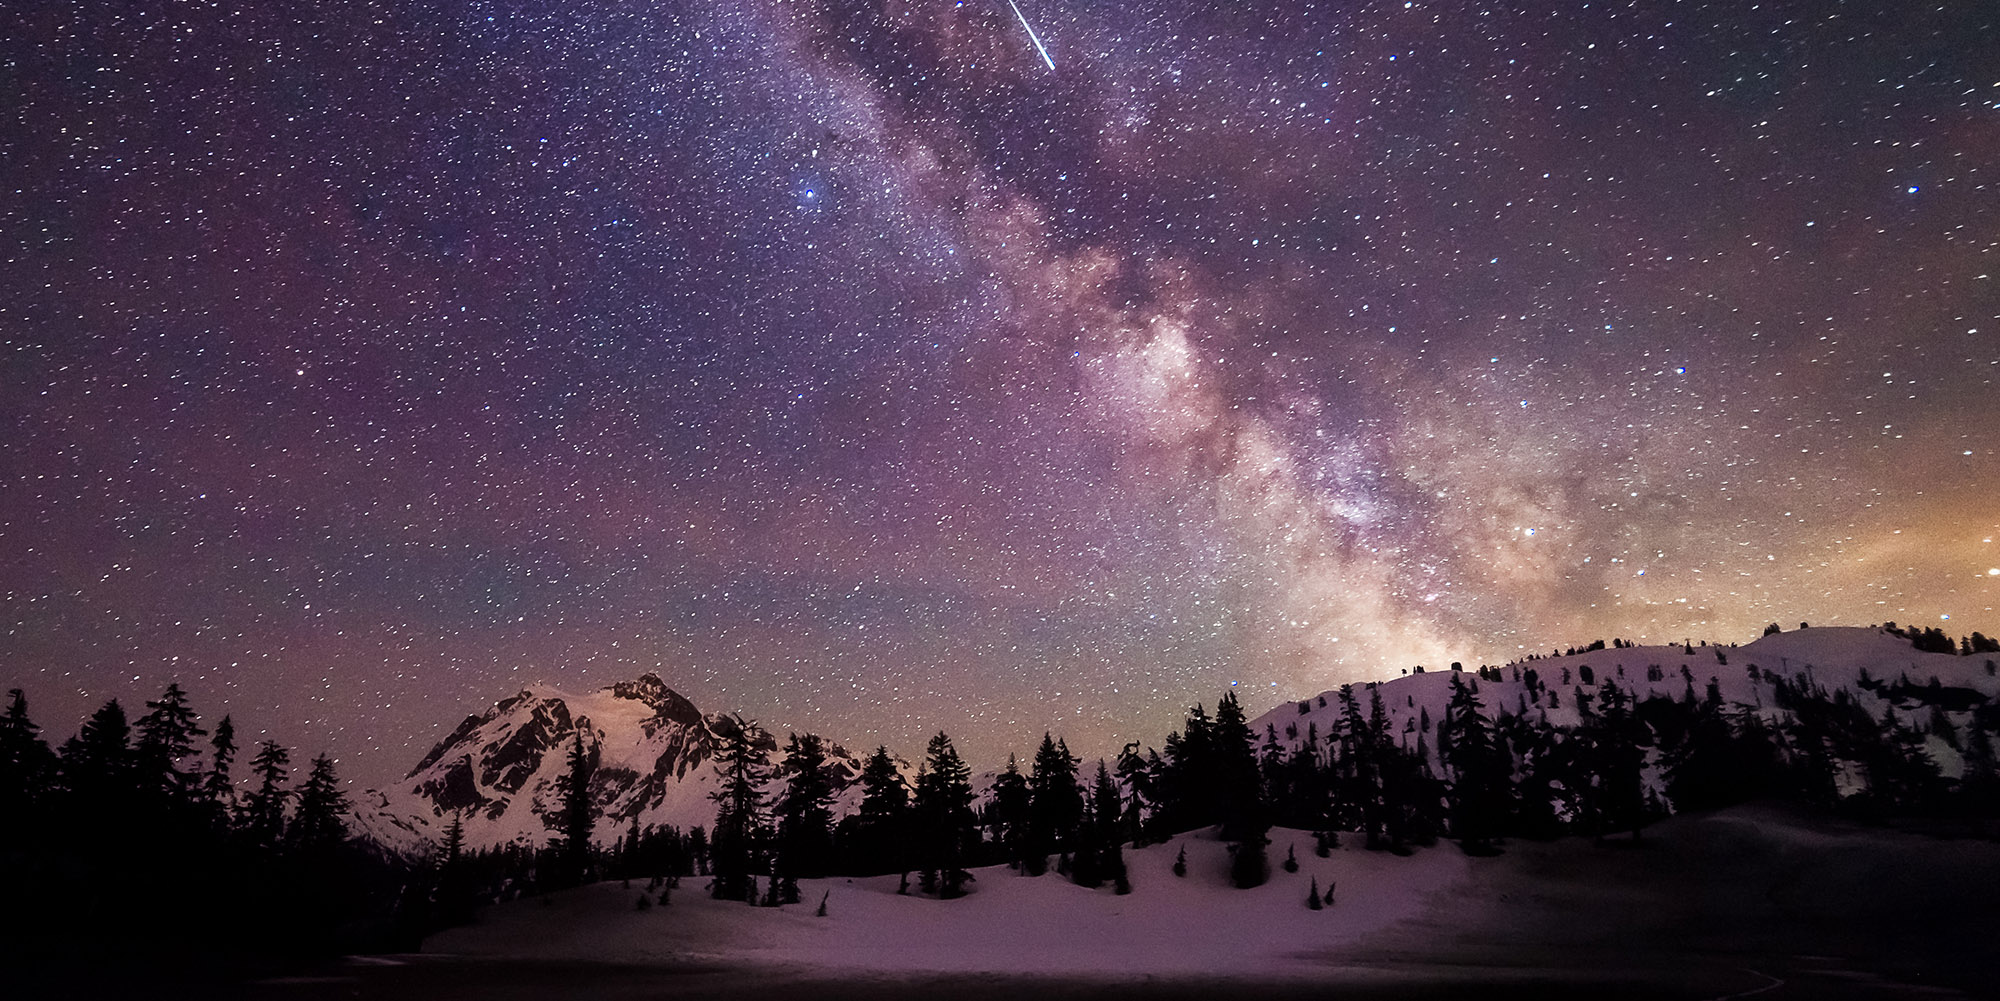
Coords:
97,762
575,819
947,830
263,818
742,770
317,828
27,765
1055,803
166,735
1244,819
805,809
1007,814
881,824
1480,774
1136,776
218,791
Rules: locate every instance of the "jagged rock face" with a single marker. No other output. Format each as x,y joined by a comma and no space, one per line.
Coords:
649,745
508,765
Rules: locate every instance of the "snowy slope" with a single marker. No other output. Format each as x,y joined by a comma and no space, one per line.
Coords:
1832,657
1197,924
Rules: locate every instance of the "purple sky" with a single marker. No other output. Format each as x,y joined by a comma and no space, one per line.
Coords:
845,365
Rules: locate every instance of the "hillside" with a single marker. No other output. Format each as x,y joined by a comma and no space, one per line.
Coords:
1830,658
651,745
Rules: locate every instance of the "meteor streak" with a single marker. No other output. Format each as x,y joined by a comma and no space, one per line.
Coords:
1039,47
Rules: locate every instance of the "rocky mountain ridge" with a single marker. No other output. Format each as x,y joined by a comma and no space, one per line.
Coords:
649,745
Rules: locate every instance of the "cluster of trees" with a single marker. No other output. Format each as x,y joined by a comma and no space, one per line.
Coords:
777,821
1931,639
790,834
137,837
1479,774
273,865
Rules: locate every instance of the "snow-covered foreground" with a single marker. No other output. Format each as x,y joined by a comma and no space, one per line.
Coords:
1761,898
1195,925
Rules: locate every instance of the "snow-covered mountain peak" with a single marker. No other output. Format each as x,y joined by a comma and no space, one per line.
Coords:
649,745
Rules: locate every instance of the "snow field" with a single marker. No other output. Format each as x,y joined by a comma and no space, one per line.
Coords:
1196,925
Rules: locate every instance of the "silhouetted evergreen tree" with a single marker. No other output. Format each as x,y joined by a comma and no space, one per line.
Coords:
218,792
741,770
316,828
1479,772
1357,789
945,822
1007,815
263,820
881,826
1137,778
166,735
96,765
1055,803
27,766
1244,818
805,809
1186,786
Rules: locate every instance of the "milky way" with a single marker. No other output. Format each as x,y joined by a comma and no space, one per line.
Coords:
857,367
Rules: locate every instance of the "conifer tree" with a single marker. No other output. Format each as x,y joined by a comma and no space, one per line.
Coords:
96,764
454,839
1007,815
576,816
1244,819
741,770
1357,782
1137,778
1187,786
631,848
166,735
1055,802
805,809
263,819
1479,772
27,766
217,789
316,827
945,822
454,884
882,823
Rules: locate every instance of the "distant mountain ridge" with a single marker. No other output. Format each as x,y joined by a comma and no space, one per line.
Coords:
652,746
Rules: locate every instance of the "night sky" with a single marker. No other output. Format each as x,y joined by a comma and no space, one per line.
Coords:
851,367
